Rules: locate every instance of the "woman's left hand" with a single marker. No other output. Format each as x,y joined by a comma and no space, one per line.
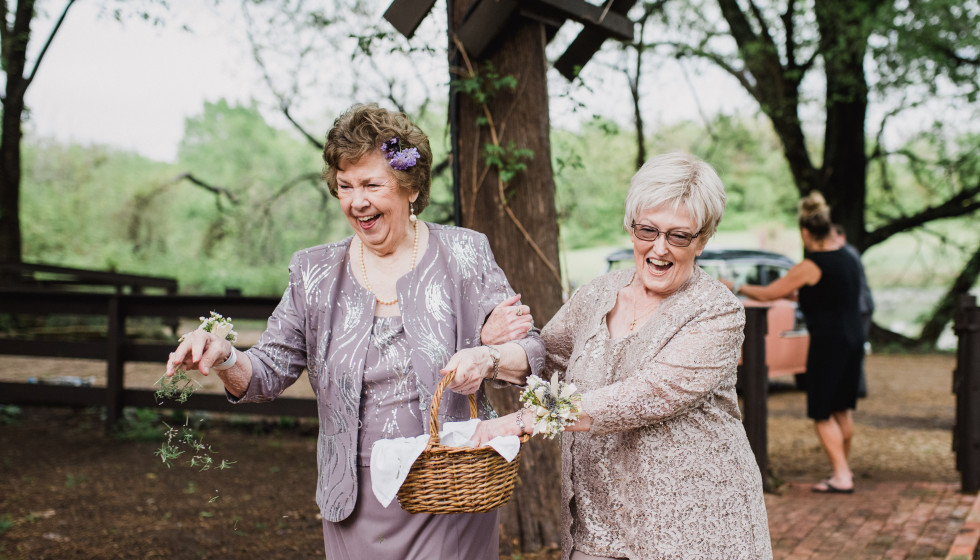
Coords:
510,320
472,366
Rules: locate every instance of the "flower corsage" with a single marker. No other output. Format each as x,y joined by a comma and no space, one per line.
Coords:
554,404
180,386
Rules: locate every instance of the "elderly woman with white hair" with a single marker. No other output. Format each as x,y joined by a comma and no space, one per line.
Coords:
658,464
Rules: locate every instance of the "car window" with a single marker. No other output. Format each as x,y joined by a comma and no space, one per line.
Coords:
771,273
744,273
616,265
713,269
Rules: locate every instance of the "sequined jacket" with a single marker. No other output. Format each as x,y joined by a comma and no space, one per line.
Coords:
666,470
323,324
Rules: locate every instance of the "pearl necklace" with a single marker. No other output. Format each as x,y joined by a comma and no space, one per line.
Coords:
411,267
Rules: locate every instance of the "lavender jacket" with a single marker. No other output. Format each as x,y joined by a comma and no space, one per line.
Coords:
323,323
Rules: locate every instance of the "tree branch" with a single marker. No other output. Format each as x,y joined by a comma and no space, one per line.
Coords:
963,203
689,50
47,43
284,107
207,186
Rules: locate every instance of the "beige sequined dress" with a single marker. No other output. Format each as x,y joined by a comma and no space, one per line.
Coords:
666,470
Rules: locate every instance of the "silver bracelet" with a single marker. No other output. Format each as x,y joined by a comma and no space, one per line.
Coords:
520,421
229,363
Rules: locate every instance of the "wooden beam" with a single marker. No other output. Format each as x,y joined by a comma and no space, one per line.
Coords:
483,24
610,23
588,42
406,15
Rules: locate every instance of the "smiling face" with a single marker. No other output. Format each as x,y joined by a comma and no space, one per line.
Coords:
375,205
662,268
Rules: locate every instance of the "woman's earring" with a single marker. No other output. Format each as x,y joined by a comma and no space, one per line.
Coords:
411,208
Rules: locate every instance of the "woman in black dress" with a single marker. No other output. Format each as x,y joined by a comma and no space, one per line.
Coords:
828,283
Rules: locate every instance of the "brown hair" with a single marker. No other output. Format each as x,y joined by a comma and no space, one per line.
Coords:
814,215
366,127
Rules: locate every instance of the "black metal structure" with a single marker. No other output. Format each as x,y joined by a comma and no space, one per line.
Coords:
966,386
753,384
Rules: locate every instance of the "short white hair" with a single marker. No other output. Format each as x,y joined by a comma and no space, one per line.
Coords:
673,179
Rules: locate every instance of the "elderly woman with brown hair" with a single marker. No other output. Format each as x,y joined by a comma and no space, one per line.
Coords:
658,464
375,318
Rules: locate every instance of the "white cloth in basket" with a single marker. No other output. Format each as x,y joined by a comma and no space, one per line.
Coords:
391,459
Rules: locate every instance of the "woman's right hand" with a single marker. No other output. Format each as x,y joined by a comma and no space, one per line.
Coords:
471,367
198,350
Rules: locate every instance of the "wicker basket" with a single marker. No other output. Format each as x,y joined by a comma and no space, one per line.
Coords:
457,479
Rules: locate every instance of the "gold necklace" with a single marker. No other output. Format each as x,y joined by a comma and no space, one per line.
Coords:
635,298
411,267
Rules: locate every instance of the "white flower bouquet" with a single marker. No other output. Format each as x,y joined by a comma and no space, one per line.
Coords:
554,404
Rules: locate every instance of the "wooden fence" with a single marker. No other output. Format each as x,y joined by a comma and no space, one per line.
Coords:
116,348
43,276
966,386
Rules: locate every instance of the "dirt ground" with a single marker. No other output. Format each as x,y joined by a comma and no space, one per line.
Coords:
67,491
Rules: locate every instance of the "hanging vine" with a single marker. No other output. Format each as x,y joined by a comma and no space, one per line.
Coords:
507,159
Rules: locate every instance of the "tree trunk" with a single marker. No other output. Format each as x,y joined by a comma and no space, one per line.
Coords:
13,51
943,313
531,520
843,45
13,108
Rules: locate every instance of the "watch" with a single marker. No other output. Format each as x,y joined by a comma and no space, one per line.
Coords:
495,356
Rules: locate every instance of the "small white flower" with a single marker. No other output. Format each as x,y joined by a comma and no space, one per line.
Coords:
543,427
221,329
566,390
541,392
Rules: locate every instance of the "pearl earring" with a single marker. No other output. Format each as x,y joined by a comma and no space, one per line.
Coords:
411,208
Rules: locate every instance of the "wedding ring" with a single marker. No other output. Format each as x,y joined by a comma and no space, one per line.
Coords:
520,311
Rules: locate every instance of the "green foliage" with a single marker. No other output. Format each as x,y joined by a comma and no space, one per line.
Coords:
593,168
92,207
138,424
178,387
484,84
10,414
592,172
73,480
7,522
185,439
507,159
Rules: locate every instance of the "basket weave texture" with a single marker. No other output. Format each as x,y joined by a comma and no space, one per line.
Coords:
457,479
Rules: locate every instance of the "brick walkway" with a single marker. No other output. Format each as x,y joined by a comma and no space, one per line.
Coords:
910,520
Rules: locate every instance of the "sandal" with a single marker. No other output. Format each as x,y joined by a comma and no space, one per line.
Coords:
830,488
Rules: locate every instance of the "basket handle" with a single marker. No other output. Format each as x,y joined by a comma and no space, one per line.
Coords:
434,407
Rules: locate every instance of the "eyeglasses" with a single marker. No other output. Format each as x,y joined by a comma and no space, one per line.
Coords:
675,238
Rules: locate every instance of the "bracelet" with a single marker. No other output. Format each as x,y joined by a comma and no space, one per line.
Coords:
520,421
228,363
495,356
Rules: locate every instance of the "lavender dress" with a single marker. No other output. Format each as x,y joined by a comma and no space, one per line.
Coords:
326,324
390,409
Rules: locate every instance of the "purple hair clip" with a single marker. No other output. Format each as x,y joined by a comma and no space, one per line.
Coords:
399,159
